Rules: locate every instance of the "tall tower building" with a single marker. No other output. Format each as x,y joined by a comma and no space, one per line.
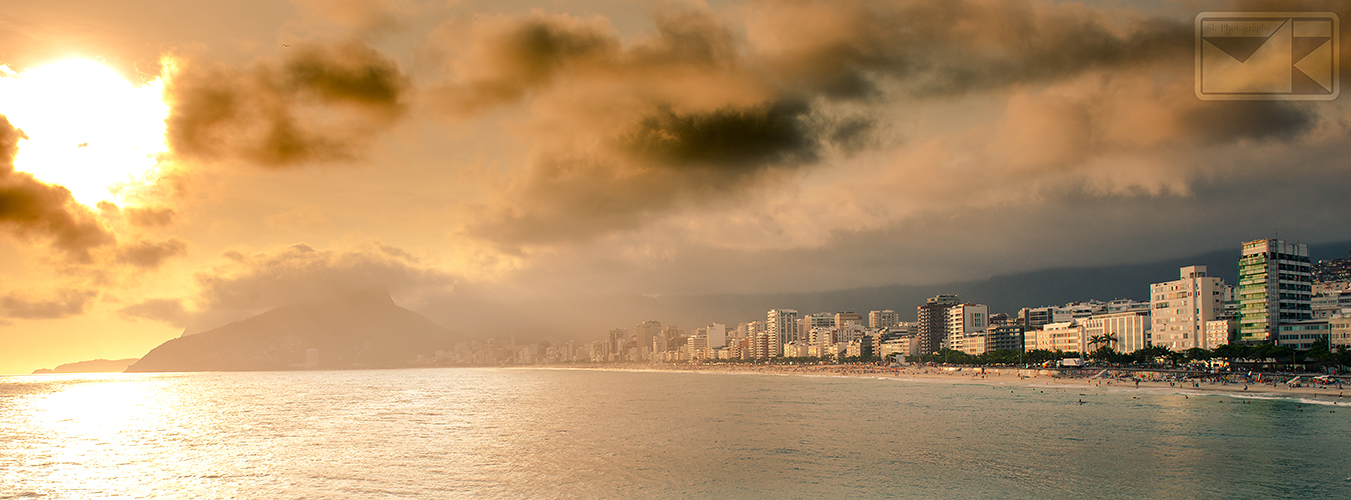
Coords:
1275,286
1180,309
932,326
781,324
646,331
618,337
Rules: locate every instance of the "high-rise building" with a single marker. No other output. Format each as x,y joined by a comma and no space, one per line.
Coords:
675,338
618,337
963,318
846,318
1180,309
883,319
1275,286
717,335
781,324
932,326
645,331
816,320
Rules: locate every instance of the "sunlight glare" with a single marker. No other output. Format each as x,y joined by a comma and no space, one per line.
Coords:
88,128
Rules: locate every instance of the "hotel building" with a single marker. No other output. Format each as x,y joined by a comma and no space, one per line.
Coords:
1275,286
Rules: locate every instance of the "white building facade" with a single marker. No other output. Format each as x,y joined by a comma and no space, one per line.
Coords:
1180,309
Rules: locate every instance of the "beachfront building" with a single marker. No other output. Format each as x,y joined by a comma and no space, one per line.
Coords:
1067,337
861,347
944,316
972,343
1129,330
1339,330
781,325
968,318
1275,286
1303,334
1180,309
932,326
795,349
897,345
1221,331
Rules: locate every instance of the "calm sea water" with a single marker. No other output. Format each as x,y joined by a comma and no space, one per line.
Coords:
525,433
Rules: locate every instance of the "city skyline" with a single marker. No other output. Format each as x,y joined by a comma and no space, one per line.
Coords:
540,170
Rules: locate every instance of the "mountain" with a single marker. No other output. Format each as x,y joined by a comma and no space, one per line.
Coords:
91,366
365,330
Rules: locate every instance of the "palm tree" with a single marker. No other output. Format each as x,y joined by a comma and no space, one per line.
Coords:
1111,340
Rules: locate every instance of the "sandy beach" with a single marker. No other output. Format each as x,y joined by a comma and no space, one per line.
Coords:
1137,381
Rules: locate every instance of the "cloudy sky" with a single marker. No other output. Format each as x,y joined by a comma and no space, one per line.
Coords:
522,167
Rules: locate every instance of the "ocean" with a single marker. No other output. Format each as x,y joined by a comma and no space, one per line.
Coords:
556,433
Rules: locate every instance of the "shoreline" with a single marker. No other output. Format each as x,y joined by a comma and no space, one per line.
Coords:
997,376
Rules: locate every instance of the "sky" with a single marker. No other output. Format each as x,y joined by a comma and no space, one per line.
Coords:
530,168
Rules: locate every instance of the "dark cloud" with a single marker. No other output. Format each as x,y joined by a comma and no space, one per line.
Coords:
150,254
324,102
503,59
697,114
29,207
732,138
64,303
1217,122
668,161
844,49
853,134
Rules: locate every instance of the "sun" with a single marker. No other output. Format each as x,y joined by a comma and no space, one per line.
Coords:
88,128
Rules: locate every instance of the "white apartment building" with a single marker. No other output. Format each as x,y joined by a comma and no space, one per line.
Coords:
1339,330
1130,329
1068,337
883,319
796,349
1220,332
1180,309
964,318
717,335
972,343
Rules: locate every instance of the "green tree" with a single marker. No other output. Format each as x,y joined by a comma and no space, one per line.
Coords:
1198,354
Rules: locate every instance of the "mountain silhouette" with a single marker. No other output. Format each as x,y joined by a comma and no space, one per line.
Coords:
364,330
